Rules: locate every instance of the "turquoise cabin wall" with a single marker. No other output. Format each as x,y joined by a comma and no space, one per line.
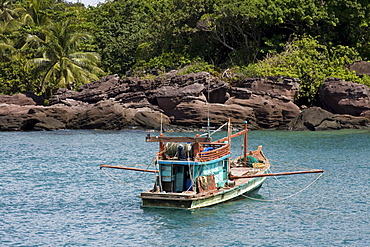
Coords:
218,168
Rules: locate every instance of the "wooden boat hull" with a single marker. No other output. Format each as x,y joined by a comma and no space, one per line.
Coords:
193,201
196,172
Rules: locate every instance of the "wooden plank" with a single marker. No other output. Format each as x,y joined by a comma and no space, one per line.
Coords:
127,168
177,139
276,174
232,136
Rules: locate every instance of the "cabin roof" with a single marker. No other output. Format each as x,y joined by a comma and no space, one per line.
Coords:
195,139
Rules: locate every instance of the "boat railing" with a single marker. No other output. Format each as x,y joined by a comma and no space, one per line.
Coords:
213,151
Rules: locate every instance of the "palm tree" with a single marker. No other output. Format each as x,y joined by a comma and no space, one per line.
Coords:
35,12
8,44
63,64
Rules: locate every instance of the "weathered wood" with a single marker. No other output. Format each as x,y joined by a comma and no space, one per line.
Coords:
276,174
232,136
177,139
245,144
128,168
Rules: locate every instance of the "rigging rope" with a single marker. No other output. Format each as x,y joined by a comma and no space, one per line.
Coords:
285,163
113,178
217,130
283,198
119,180
290,164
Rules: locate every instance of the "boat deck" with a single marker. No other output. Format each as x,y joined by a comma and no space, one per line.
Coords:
243,171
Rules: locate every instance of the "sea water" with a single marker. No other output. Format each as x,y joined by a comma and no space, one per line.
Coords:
52,193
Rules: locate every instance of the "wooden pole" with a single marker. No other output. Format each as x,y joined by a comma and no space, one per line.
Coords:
128,168
276,174
162,146
245,146
232,136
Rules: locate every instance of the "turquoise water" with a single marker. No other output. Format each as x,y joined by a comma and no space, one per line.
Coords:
52,193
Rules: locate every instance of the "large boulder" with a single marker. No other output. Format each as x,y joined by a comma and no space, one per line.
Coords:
148,118
61,95
218,92
194,112
105,88
275,86
104,84
17,99
360,67
112,115
316,118
131,97
270,112
12,117
341,97
168,97
108,115
18,118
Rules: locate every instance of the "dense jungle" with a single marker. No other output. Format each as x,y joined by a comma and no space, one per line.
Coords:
47,44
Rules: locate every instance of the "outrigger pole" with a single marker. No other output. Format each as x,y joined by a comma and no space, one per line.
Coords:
128,168
276,174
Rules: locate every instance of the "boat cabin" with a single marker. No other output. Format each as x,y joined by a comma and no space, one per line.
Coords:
190,164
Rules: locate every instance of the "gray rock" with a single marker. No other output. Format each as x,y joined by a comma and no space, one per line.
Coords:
275,86
314,118
108,115
188,100
269,112
18,118
193,112
17,99
341,97
352,122
150,119
168,97
360,67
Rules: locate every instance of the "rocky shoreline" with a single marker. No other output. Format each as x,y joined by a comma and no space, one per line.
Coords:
182,102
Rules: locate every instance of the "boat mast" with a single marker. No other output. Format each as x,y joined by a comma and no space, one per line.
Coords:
207,102
229,132
245,146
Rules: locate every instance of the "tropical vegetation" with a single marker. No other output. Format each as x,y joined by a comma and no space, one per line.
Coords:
50,44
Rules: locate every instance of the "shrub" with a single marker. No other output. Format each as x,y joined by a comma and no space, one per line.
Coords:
311,62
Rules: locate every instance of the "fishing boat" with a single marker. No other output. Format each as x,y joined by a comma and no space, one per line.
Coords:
196,172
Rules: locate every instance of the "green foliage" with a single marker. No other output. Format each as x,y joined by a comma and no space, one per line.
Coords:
309,61
61,63
120,27
43,47
365,80
14,79
164,63
199,66
171,61
154,36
